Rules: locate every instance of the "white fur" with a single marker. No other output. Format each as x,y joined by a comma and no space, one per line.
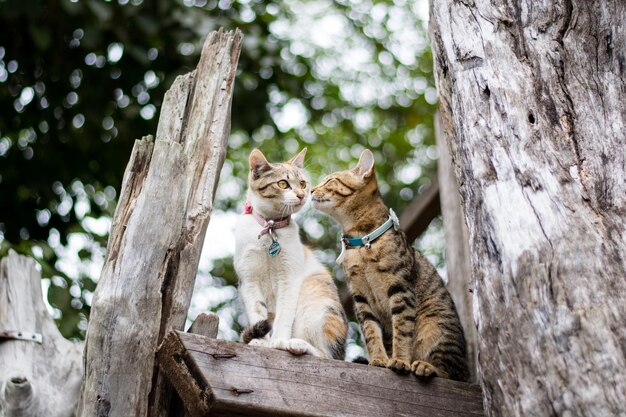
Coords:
276,282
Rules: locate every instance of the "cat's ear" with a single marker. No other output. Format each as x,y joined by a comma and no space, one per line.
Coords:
298,160
365,168
258,163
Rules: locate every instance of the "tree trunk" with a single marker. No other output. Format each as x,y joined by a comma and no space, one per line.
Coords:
532,98
457,246
156,238
40,371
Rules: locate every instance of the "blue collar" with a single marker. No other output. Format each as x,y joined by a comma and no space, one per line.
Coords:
370,237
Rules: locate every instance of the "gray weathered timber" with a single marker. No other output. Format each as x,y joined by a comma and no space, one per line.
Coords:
204,325
219,378
36,380
157,234
457,246
415,219
533,100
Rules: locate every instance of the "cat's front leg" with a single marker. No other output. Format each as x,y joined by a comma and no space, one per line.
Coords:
372,331
256,308
403,312
286,304
370,323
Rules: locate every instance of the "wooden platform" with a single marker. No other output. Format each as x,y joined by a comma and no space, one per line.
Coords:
218,378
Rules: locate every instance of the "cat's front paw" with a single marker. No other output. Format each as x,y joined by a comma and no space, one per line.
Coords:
297,346
380,362
424,369
280,344
293,346
398,365
259,342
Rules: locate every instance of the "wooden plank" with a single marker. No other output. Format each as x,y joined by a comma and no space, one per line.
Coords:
418,215
221,378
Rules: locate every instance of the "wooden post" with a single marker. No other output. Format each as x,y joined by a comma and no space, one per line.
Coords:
219,378
205,325
417,216
156,238
36,379
457,246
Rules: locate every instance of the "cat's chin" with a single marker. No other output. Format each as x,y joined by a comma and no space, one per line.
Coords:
320,204
294,208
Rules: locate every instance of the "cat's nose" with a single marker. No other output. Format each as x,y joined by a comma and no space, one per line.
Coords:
300,196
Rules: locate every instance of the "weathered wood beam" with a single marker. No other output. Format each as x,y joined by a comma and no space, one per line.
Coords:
204,325
219,378
36,379
156,238
418,215
457,246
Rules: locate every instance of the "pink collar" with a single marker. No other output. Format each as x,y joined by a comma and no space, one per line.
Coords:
268,225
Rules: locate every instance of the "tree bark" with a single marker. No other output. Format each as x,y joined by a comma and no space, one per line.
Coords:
156,238
36,379
532,97
457,246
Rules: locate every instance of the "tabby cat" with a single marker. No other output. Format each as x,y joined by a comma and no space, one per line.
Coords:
289,297
406,313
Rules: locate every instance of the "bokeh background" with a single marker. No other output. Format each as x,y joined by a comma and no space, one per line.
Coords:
80,80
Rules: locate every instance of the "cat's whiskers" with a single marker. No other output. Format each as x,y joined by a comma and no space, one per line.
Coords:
283,211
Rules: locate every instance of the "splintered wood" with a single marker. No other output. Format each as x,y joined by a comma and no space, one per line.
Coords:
156,238
219,378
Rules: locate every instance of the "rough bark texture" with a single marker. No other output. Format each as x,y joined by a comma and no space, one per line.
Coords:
532,98
36,380
457,246
157,234
219,378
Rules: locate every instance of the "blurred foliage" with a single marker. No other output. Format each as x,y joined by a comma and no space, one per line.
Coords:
81,79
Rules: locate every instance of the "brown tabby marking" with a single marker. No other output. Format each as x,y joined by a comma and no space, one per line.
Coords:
407,315
264,177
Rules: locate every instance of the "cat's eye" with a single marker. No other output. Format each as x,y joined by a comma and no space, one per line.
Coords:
283,185
303,184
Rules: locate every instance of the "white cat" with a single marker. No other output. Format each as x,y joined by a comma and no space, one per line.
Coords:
290,298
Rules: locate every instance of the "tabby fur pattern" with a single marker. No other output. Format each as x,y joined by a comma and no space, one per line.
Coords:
407,316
